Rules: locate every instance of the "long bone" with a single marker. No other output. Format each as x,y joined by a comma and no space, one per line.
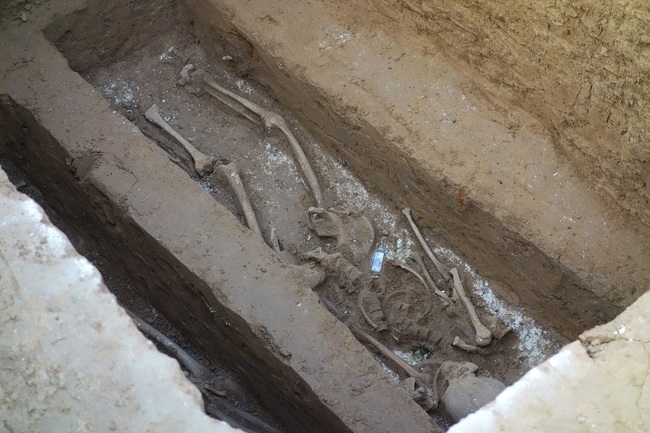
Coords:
439,266
421,379
418,259
270,120
483,335
195,369
230,173
203,164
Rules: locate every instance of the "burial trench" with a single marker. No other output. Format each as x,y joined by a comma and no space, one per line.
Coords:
138,66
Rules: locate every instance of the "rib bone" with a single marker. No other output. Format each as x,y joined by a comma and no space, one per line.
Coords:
203,164
441,268
419,277
270,120
483,335
418,259
230,173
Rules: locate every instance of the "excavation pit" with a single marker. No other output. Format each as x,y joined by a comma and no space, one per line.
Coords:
127,192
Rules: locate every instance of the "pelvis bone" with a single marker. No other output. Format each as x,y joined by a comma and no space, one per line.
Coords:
354,235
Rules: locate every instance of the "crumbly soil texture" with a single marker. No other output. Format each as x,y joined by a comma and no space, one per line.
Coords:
418,325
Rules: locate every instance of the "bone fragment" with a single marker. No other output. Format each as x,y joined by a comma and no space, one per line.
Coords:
419,277
185,74
270,120
418,259
194,367
439,266
347,274
458,342
354,235
230,173
498,330
307,273
203,164
421,379
483,335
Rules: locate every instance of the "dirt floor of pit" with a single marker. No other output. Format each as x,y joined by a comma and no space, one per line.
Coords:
280,198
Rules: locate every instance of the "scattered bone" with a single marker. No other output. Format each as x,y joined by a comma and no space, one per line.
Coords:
203,164
270,120
307,273
185,74
460,343
421,379
347,274
419,394
483,335
229,173
197,87
354,235
375,315
419,277
422,334
418,259
441,268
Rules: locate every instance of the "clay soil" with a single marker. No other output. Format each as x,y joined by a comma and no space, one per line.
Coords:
280,199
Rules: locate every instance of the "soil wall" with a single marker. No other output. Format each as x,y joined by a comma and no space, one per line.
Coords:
581,68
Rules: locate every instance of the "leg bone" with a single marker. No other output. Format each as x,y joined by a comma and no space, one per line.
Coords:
270,120
230,174
203,164
483,335
441,268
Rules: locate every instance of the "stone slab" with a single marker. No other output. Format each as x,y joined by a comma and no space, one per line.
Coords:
597,384
70,358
